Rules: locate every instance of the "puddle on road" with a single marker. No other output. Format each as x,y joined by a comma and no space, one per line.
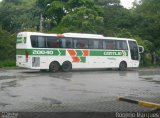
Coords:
156,80
9,84
85,91
6,77
4,104
52,100
150,72
64,76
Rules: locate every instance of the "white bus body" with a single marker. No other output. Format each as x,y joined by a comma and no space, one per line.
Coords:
74,50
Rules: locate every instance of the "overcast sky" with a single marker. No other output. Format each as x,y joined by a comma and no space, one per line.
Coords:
127,3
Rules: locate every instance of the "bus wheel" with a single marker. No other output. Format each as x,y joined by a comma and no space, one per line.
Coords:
122,66
66,66
54,66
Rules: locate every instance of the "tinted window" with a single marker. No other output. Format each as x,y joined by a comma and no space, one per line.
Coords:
109,44
34,41
68,43
52,42
134,50
65,43
95,44
121,45
80,43
38,41
41,42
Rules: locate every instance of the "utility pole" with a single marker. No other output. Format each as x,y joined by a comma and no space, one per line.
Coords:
41,23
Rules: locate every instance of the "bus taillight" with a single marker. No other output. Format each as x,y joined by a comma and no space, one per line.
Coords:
26,56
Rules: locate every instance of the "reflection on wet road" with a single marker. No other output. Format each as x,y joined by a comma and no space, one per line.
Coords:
27,90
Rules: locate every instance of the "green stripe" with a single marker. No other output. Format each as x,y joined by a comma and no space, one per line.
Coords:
83,59
79,52
42,52
19,39
20,51
59,52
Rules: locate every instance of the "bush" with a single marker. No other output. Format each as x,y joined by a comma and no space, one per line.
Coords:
7,63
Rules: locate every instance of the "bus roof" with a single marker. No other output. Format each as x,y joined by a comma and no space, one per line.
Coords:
36,33
76,35
93,36
116,38
82,35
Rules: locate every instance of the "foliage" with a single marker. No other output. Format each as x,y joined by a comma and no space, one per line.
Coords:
7,63
21,15
81,20
148,23
7,45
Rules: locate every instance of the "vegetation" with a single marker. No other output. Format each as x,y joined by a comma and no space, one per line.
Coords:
105,17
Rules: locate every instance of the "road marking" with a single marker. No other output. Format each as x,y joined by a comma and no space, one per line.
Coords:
141,103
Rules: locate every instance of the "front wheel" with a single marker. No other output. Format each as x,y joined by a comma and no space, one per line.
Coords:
122,66
54,66
66,66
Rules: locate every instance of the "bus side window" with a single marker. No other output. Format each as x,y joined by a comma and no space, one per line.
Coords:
62,43
100,44
91,44
121,45
34,41
77,43
124,45
52,42
104,44
68,43
41,42
109,44
84,43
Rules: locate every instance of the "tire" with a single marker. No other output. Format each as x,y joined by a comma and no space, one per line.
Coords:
122,66
54,66
66,66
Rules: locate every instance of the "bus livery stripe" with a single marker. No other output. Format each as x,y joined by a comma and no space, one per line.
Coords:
21,39
72,52
83,59
75,59
108,53
42,52
85,52
79,52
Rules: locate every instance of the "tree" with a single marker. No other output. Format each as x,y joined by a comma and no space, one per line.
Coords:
21,15
7,45
74,15
148,23
81,19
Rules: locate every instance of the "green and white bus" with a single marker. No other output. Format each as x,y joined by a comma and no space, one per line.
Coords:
69,51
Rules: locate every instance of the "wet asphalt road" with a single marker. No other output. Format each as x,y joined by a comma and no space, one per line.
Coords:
34,91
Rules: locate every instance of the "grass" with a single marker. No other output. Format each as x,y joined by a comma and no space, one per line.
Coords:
7,63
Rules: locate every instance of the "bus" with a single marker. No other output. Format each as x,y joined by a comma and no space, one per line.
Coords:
69,51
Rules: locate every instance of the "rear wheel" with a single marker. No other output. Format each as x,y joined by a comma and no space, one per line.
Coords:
54,66
66,66
122,66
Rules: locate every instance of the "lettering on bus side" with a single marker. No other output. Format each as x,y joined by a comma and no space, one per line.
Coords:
43,52
112,53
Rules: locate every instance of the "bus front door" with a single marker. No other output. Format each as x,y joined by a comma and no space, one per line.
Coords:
134,53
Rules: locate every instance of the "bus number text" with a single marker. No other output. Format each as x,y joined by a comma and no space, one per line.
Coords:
42,52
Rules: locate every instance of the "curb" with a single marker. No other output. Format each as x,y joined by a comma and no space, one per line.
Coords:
141,103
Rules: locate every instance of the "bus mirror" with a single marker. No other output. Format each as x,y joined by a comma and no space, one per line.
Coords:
141,49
